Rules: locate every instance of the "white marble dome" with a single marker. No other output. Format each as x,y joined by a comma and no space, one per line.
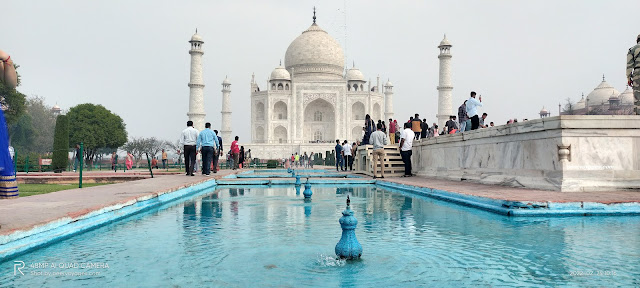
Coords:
445,41
544,111
626,97
280,73
226,81
388,84
315,52
354,74
601,93
196,38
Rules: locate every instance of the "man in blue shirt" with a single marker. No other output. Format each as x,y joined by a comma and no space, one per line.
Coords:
207,142
339,156
216,154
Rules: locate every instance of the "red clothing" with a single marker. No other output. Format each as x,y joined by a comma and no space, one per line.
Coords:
234,147
392,127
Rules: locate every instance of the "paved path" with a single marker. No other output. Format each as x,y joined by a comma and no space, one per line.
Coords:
27,212
518,194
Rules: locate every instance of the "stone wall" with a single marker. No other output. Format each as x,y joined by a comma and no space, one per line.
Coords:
562,153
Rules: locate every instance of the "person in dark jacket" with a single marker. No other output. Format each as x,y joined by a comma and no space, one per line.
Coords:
425,128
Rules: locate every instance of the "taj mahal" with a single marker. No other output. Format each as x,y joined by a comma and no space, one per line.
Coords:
312,100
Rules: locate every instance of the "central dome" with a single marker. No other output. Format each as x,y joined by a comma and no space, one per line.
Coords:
315,53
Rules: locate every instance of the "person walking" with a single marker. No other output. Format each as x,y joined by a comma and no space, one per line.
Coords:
114,161
305,160
369,127
188,140
164,159
235,152
406,146
416,125
339,154
217,153
296,159
311,158
129,161
472,110
633,73
348,156
249,158
378,140
462,116
392,132
207,143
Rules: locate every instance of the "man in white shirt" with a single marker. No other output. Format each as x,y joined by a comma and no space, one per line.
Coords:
188,139
348,156
406,144
378,139
472,110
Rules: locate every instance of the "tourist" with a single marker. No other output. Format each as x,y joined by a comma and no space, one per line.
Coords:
296,160
241,157
384,127
188,140
207,143
128,162
8,73
462,116
406,146
369,127
305,160
416,125
235,152
114,161
339,154
436,131
348,156
248,157
217,154
424,128
491,124
398,129
378,140
633,73
392,132
8,184
292,160
484,116
472,110
311,158
451,125
154,163
229,160
76,160
164,159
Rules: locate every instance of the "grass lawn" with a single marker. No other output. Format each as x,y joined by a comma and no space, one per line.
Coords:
35,189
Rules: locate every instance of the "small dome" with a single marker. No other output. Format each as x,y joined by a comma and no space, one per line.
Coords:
580,104
626,97
544,111
601,93
226,81
388,84
280,73
55,108
445,41
354,74
196,38
613,96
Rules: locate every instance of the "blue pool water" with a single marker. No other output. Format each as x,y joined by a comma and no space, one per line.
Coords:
242,236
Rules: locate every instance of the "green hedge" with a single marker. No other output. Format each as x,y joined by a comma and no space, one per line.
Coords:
61,144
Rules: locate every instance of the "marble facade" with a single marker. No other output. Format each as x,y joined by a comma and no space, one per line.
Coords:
566,153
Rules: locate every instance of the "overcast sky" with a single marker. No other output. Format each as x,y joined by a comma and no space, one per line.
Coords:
132,56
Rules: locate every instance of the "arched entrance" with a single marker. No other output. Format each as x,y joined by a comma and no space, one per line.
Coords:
280,134
319,115
357,111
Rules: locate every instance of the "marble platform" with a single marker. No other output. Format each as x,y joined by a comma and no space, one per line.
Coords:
563,153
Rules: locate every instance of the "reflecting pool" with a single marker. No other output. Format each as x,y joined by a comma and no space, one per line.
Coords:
259,236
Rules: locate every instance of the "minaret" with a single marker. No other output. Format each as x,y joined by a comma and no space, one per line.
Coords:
388,100
225,130
445,107
196,84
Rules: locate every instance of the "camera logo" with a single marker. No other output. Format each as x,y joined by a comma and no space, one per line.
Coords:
17,265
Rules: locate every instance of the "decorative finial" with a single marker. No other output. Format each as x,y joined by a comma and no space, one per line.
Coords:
314,14
354,64
196,30
348,201
445,35
280,62
603,77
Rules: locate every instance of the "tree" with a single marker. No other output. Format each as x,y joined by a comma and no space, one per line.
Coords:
34,131
175,147
569,107
12,100
23,134
139,146
96,127
61,144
